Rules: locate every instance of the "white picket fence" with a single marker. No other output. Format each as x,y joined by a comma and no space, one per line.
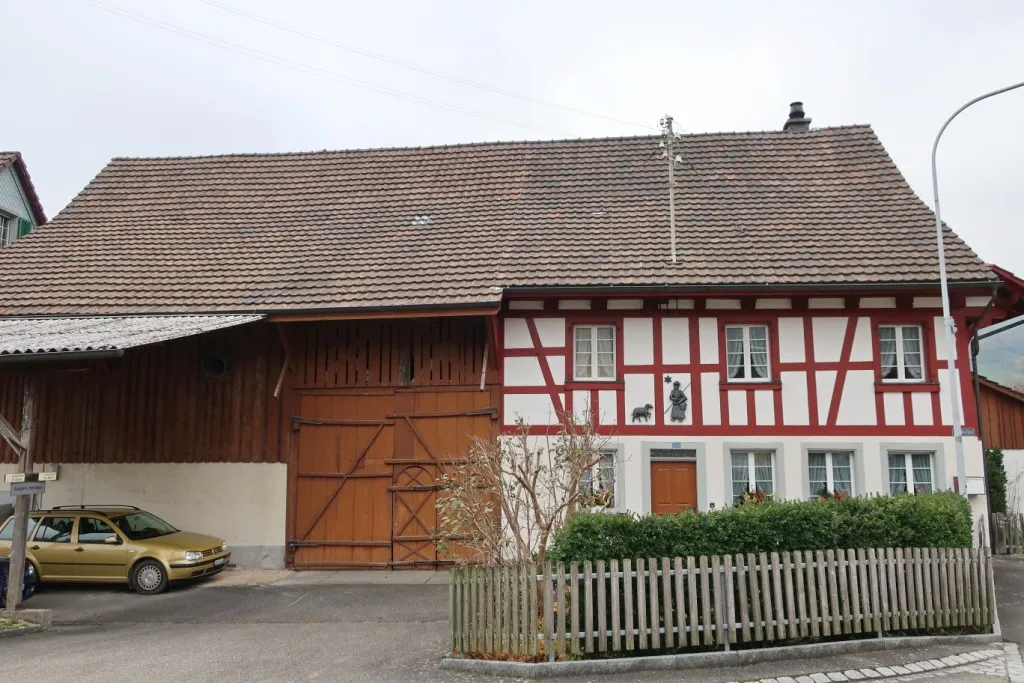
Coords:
717,601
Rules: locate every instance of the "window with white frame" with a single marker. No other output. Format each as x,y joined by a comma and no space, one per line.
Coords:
911,472
5,230
900,347
594,347
752,471
830,471
746,350
600,479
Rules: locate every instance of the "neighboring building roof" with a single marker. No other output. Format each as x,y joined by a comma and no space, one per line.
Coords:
450,226
8,159
1001,389
54,337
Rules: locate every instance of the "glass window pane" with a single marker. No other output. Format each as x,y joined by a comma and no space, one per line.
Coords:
912,367
759,352
606,476
763,472
91,530
584,356
587,482
735,351
897,474
922,466
817,475
842,472
887,349
740,475
55,529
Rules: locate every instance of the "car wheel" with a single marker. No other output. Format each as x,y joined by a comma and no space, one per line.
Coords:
149,577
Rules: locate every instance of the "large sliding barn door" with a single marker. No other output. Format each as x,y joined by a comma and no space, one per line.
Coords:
368,473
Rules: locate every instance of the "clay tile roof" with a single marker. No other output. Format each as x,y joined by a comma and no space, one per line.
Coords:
449,226
8,159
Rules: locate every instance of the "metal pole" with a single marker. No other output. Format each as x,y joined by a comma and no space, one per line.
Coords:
670,139
950,325
21,503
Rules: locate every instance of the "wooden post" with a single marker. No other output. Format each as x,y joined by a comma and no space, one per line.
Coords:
21,503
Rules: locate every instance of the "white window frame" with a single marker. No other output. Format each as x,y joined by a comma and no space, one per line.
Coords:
751,469
6,222
908,465
593,352
595,476
747,374
901,366
830,480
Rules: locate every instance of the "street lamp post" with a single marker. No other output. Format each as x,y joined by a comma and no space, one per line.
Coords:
950,325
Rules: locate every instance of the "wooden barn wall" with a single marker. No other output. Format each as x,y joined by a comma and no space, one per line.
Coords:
1002,420
155,405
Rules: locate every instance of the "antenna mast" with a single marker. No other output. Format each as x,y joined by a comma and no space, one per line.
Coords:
668,140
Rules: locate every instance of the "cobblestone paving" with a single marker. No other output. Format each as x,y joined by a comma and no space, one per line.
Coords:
1000,662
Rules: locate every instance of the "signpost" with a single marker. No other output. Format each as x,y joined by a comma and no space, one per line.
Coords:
21,442
28,488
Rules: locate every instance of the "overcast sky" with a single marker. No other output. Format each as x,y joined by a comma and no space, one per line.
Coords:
84,85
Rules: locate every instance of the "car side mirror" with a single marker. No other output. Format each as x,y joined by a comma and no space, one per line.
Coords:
112,540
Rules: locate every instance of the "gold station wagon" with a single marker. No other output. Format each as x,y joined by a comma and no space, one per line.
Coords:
115,544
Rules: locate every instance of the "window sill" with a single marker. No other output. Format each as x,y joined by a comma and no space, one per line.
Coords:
774,385
905,387
588,384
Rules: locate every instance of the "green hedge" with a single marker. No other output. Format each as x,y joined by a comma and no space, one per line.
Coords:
941,520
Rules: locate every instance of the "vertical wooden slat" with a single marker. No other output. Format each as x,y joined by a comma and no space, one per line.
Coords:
574,597
889,587
835,611
534,609
778,599
548,622
990,582
956,590
508,600
986,618
588,606
718,599
873,580
865,589
705,602
641,603
766,598
666,602
474,611
753,580
730,598
919,589
926,575
627,592
801,594
787,579
492,597
691,585
652,597
524,603
854,584
515,603
562,603
616,625
680,602
464,594
972,583
842,567
741,584
939,591
602,609
945,578
453,617
812,594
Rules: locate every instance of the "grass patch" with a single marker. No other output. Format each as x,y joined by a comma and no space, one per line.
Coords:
11,624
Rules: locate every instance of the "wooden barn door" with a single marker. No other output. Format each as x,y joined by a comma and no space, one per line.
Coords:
342,502
431,429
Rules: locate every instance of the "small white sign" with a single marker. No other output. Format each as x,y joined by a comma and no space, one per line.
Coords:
14,478
27,488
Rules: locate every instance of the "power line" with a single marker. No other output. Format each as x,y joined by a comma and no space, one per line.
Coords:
301,67
410,65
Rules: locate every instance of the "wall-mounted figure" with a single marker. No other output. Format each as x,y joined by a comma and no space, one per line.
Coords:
644,412
677,397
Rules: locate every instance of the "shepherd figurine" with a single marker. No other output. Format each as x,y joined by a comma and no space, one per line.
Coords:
677,397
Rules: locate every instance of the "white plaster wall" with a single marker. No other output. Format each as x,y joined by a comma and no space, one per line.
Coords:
574,304
581,406
557,366
791,340
638,341
517,334
551,331
243,503
708,340
795,398
977,301
737,401
878,302
675,341
524,371
893,404
711,407
826,383
625,304
773,304
921,407
927,302
939,330
764,408
825,302
535,409
607,405
857,404
828,338
723,304
862,349
526,305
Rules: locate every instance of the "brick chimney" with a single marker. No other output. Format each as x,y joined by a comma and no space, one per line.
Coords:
797,122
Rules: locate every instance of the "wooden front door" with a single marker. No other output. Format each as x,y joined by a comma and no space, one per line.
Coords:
368,473
673,487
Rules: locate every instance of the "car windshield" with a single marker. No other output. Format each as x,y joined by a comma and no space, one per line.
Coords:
139,526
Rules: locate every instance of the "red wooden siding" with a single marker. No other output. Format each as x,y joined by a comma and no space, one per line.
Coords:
1002,416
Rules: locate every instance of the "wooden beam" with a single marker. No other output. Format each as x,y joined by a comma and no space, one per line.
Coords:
397,314
21,503
11,436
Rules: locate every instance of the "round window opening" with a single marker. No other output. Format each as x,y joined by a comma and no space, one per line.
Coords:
214,364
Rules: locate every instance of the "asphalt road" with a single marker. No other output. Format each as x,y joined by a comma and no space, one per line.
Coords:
298,633
1009,572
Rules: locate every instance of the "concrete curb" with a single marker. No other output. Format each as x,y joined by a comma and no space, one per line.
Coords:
23,631
701,660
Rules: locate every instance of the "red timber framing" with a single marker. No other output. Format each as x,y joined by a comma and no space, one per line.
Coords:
821,422
375,410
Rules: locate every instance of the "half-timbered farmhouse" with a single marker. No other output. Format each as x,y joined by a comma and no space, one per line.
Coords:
281,348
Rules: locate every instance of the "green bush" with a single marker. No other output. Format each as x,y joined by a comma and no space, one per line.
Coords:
940,520
996,473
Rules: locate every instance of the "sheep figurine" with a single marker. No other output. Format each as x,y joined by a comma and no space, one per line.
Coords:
643,412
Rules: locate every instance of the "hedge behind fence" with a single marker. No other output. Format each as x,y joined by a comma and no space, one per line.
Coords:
934,520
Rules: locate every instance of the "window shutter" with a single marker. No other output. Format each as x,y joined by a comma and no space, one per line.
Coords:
24,227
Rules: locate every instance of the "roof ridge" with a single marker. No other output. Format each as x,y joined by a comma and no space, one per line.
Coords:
486,143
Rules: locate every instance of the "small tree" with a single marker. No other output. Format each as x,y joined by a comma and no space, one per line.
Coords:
511,495
996,473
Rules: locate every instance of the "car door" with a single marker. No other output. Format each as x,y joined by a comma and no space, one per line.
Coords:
52,548
102,552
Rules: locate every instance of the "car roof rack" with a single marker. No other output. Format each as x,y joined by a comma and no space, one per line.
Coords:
94,507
